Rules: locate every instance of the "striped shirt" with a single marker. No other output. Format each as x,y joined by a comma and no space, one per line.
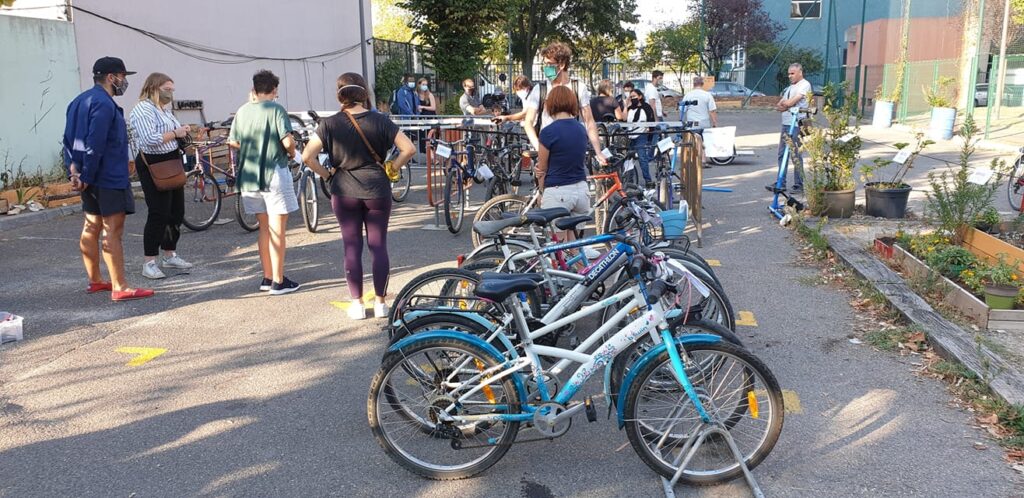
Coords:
149,123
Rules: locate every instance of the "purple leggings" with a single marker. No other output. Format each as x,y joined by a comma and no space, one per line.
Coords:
352,215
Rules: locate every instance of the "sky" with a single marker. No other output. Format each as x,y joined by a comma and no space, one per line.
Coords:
656,12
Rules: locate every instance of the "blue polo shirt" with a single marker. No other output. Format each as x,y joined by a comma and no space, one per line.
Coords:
96,139
566,141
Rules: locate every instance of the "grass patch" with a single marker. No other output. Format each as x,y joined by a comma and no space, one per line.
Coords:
890,339
813,236
811,280
973,390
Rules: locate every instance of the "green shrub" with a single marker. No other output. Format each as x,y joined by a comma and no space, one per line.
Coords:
950,261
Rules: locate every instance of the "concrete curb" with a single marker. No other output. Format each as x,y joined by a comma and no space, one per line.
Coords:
26,219
991,145
949,340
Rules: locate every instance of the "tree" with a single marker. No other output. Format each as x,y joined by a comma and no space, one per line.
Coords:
674,46
455,31
391,22
532,23
731,24
761,53
591,51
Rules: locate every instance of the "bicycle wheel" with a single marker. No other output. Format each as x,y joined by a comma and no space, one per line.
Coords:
443,284
494,208
454,200
400,189
247,221
202,200
735,388
310,202
1015,185
452,450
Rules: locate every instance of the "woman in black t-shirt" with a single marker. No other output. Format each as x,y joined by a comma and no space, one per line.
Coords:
604,107
640,111
360,188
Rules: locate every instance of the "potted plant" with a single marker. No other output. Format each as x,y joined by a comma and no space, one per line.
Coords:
1000,285
987,220
886,197
832,153
942,99
884,105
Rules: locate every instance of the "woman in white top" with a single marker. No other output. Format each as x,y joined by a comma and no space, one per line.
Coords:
156,131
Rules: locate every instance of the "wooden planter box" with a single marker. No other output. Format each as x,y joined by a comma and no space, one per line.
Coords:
51,195
989,248
959,298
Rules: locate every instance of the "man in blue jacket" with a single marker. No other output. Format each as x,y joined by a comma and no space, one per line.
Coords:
406,99
96,152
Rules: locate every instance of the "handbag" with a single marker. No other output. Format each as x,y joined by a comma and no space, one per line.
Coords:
166,175
388,166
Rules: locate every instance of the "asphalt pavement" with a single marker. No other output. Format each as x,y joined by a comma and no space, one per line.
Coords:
266,396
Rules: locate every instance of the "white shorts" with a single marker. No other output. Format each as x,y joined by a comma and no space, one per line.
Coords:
574,197
278,199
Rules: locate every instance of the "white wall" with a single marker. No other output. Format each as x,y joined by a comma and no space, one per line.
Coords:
40,77
287,30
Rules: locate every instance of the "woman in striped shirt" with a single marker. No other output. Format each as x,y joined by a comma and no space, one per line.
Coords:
156,131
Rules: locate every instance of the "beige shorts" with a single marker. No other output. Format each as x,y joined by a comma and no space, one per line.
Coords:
279,198
575,198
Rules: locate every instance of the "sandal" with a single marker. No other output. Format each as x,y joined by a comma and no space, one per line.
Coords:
130,294
95,287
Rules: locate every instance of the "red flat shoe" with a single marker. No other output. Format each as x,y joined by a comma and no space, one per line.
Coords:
130,294
95,287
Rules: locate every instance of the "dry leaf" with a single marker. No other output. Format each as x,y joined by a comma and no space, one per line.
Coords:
917,337
989,419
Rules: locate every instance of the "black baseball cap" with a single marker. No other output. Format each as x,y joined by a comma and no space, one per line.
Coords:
109,65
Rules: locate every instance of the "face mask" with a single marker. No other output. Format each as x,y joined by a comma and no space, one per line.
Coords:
423,88
120,87
550,72
411,84
166,96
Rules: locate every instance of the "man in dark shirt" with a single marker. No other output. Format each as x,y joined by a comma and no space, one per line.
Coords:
96,152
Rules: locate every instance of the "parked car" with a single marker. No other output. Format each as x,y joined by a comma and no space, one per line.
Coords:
730,89
981,95
663,90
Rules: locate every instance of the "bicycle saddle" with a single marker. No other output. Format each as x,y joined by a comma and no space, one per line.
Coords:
488,228
546,215
570,222
498,286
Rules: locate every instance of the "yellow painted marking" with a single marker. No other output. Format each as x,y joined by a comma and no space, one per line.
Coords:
343,305
752,403
746,319
713,262
792,402
144,354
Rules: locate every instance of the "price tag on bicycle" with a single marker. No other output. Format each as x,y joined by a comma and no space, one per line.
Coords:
666,144
443,151
902,156
606,153
846,138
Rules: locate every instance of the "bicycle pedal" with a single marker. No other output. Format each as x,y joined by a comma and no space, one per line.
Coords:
588,406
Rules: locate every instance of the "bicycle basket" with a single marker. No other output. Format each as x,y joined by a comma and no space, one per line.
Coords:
673,224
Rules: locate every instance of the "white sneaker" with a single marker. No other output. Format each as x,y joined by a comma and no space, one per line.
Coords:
152,271
357,311
175,262
380,310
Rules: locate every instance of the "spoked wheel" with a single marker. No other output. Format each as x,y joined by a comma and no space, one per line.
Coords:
417,388
245,220
202,200
735,388
1015,185
446,285
400,189
310,202
494,208
454,200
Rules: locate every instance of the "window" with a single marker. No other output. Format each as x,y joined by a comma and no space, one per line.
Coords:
800,8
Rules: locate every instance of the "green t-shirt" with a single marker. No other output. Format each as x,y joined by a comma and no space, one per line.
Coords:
258,128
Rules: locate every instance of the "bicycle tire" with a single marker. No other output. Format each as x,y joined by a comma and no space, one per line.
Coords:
504,394
534,299
756,382
454,208
309,200
1014,185
201,186
247,221
446,276
400,189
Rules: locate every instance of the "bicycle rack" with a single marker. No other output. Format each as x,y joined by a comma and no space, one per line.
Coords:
690,449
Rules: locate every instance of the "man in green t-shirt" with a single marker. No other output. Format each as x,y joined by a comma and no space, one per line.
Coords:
261,131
